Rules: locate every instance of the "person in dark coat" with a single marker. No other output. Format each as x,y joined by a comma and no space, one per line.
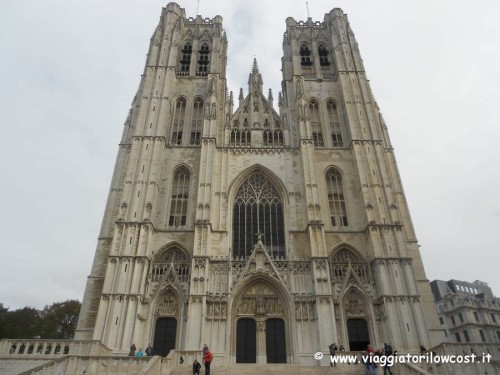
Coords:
196,367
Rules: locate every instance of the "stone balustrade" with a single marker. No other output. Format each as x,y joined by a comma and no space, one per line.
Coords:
50,349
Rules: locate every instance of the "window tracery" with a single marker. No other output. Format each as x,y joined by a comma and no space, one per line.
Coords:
196,124
272,138
178,123
240,138
323,55
305,55
180,196
257,210
336,201
316,132
185,61
344,259
333,118
203,60
175,258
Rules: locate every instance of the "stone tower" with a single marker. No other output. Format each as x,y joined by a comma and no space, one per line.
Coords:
266,235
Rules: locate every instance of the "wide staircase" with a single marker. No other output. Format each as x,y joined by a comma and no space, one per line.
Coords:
274,369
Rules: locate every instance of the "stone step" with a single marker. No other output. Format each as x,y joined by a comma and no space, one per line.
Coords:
274,369
14,367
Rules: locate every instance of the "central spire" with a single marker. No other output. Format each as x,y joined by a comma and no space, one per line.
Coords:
255,79
255,67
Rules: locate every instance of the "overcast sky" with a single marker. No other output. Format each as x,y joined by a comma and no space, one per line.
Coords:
69,70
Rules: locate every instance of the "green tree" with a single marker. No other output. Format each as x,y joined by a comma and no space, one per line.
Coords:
20,324
59,320
3,314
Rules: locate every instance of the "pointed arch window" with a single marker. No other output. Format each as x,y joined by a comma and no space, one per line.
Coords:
336,201
305,55
180,197
316,132
186,52
178,125
173,257
240,138
323,55
342,260
333,119
203,60
258,209
272,138
197,122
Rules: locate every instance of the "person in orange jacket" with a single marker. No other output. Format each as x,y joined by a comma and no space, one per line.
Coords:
207,360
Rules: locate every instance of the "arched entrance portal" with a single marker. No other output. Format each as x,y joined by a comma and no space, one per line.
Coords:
165,334
165,329
246,342
275,341
260,325
357,330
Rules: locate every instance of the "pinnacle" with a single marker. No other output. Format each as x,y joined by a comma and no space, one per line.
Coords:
255,67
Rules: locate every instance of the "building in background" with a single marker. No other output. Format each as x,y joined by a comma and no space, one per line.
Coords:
468,312
266,234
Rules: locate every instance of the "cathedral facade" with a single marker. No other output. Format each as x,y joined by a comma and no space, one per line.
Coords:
265,234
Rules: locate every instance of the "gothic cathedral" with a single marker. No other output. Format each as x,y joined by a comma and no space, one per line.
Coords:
266,234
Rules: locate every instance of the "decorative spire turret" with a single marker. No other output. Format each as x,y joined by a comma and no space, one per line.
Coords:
255,79
270,98
241,97
255,67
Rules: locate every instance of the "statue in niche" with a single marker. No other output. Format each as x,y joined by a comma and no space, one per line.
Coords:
261,325
298,310
260,306
207,110
256,107
245,307
241,308
214,110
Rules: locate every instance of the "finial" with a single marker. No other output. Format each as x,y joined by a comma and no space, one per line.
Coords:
255,67
240,97
270,96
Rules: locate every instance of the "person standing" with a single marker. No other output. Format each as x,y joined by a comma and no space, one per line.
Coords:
388,358
207,360
131,353
333,350
149,351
